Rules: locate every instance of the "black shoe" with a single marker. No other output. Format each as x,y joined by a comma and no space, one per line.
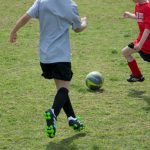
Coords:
76,124
51,123
132,78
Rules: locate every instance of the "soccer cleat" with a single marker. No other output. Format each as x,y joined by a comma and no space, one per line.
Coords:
51,123
76,124
132,78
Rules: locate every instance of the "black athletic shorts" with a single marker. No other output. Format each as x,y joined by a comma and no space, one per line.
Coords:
146,57
60,70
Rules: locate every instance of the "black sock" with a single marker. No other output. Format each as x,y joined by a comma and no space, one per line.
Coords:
60,100
68,108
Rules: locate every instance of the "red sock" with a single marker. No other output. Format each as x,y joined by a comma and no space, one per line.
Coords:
134,68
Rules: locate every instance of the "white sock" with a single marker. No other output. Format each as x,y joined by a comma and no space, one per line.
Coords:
71,118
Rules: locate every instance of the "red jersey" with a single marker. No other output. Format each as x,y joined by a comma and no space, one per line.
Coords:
142,12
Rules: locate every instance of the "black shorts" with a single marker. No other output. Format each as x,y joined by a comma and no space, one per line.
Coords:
145,56
60,70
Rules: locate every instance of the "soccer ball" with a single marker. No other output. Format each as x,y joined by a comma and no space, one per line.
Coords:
94,80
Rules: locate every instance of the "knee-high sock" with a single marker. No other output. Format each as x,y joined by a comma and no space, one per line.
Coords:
59,100
68,109
134,68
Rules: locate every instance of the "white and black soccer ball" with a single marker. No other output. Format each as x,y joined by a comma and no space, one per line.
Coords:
94,80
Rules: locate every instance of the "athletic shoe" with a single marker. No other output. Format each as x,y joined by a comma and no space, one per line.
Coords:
51,123
132,78
76,124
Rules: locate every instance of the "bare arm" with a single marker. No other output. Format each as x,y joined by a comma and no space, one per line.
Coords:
129,15
83,25
143,39
20,23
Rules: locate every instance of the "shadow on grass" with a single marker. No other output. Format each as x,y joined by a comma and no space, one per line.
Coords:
65,144
96,91
140,94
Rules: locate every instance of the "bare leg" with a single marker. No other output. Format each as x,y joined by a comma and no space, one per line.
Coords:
127,52
60,83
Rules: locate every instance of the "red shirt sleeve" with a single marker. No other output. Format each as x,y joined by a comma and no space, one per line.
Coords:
147,17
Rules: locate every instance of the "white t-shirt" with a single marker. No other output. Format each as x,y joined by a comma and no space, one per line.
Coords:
55,17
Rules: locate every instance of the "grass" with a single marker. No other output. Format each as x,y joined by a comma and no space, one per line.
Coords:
118,118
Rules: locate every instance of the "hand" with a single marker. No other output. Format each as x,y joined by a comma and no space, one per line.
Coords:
126,14
83,25
137,47
13,37
84,21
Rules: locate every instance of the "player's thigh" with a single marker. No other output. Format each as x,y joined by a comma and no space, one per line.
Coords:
127,51
62,84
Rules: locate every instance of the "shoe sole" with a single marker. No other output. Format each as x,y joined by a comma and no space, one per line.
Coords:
135,80
75,127
50,130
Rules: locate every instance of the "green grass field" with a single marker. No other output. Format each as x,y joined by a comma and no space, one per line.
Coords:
118,118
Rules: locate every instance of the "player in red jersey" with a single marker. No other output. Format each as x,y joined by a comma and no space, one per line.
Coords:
142,43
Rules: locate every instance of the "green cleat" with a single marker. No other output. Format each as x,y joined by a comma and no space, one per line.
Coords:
51,123
76,124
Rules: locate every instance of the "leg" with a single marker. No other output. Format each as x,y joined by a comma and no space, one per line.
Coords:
61,83
67,105
72,120
59,101
136,73
127,52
